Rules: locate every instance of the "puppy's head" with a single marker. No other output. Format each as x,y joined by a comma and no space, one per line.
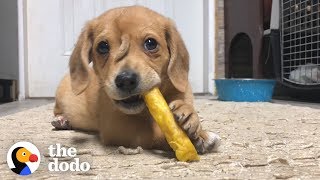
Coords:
133,49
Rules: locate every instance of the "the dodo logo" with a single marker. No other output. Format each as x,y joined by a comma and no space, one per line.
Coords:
23,158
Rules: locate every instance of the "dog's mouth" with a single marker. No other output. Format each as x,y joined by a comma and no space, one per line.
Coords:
131,105
131,101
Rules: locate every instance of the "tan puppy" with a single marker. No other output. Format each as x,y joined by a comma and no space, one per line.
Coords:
133,49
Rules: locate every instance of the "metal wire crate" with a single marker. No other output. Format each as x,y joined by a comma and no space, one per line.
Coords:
300,42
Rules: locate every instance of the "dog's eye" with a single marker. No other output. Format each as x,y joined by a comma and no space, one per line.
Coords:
151,45
103,47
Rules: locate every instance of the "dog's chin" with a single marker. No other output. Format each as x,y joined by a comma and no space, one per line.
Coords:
131,105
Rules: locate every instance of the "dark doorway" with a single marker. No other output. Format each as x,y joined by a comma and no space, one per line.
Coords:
241,57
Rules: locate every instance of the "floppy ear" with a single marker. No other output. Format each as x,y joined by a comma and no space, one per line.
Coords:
178,67
79,61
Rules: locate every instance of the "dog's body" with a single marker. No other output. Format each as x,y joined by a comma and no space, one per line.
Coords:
133,49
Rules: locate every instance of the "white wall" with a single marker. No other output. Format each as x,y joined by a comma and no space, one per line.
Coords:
188,15
9,57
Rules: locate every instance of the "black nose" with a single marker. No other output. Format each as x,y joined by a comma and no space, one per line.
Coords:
127,80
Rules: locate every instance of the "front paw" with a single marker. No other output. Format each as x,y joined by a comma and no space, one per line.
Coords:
188,120
186,117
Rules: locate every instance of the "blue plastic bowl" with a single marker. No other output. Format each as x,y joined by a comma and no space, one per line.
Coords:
245,90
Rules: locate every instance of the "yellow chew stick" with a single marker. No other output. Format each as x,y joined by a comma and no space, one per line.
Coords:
175,136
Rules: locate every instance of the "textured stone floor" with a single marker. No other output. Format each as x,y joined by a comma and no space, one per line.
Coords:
259,141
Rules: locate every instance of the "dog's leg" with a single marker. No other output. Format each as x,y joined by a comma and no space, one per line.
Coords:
61,123
188,119
72,112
